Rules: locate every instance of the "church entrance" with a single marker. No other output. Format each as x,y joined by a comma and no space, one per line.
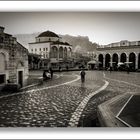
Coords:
2,78
20,78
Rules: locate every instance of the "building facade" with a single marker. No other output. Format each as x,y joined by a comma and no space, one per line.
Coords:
121,52
52,49
13,60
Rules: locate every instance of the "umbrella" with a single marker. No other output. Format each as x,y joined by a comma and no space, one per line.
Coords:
128,62
112,62
94,62
98,62
120,63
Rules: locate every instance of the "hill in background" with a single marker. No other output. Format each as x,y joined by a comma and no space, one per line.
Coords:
79,43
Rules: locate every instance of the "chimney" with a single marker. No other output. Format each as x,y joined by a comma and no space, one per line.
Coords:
1,29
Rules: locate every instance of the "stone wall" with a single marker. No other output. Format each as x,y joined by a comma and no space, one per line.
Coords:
15,59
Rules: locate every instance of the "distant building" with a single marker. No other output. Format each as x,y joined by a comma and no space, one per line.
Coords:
13,60
52,50
123,51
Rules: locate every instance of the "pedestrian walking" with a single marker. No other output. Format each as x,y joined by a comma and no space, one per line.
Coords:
110,69
44,75
51,72
60,69
67,68
82,73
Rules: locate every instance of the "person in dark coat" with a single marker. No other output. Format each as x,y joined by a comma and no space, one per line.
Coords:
67,68
51,72
82,73
110,69
60,69
44,75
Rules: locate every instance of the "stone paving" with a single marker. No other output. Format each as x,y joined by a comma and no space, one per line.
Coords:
41,106
51,107
89,115
78,112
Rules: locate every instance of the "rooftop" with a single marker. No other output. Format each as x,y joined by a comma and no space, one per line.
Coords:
48,34
61,43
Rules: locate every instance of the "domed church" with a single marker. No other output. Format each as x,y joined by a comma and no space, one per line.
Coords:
51,49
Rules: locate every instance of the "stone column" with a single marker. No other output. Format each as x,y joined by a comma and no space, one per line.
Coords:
58,53
63,53
104,61
119,58
127,60
6,65
38,65
58,62
43,63
136,61
111,61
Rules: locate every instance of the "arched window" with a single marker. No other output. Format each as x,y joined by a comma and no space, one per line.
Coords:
100,59
115,58
1,39
123,57
132,58
70,52
60,52
115,61
54,52
2,62
107,60
65,52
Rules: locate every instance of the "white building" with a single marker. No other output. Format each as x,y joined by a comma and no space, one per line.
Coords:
50,47
123,51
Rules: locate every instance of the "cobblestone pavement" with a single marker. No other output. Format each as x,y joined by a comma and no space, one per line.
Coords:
119,84
41,106
48,107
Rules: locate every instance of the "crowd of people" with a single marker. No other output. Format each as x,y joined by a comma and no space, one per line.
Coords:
48,74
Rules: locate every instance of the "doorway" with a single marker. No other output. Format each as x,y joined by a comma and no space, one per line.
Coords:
20,78
2,78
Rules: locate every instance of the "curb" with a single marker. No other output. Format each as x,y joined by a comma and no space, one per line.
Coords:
77,114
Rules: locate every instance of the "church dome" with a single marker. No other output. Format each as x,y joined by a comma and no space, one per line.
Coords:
48,34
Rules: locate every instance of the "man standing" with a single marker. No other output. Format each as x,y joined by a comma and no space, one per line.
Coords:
60,69
82,73
44,75
51,72
67,68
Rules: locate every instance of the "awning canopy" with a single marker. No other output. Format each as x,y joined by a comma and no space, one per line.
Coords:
128,62
94,62
112,62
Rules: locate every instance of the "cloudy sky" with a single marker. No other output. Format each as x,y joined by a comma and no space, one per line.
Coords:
100,27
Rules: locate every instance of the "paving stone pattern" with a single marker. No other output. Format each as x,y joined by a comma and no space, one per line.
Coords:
54,107
89,115
43,108
46,108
